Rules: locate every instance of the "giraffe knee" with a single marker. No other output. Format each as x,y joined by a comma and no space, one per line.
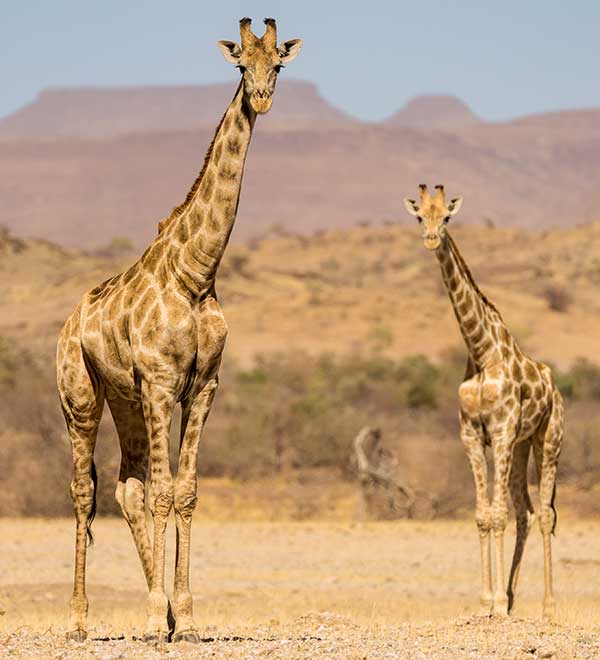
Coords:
547,519
130,496
162,496
185,496
483,519
499,517
82,494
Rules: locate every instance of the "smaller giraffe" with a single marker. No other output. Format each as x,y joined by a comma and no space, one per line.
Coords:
507,401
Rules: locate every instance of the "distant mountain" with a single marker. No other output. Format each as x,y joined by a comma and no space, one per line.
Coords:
434,112
80,167
98,112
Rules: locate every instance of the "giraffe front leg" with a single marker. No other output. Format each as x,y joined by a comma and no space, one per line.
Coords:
503,442
158,402
473,441
194,417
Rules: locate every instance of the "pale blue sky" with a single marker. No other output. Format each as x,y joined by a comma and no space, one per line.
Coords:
504,58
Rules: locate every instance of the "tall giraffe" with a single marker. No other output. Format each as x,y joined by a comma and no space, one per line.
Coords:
508,401
153,337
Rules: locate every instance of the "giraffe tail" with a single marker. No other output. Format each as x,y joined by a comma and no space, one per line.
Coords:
554,509
94,476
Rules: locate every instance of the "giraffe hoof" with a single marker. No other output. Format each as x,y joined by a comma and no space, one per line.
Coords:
78,635
501,608
191,636
549,612
156,637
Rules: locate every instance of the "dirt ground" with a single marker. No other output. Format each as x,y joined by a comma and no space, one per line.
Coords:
302,590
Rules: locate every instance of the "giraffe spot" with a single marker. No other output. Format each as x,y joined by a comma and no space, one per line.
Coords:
217,152
146,301
490,392
233,146
526,391
208,183
196,220
465,307
239,124
479,334
213,222
470,324
501,414
97,292
129,274
539,391
152,255
505,352
453,283
531,372
181,231
516,371
72,351
226,123
485,347
151,325
93,324
162,275
227,173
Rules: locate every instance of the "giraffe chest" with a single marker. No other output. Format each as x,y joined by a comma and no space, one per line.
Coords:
504,396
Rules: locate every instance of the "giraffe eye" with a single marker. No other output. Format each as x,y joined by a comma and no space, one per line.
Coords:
241,68
419,219
446,219
278,67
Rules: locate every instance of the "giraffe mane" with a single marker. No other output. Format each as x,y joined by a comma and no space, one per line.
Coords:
469,276
178,211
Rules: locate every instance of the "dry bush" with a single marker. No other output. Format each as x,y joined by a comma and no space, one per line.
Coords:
288,412
558,297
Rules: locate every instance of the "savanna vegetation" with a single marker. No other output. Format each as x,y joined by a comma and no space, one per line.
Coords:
287,413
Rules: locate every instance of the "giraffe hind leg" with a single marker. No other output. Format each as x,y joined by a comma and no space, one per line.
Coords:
524,513
82,400
547,451
130,491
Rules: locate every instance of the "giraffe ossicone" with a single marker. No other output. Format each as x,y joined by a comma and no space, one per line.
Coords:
152,337
507,401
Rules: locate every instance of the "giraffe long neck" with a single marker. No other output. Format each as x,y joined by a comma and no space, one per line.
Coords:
478,319
200,233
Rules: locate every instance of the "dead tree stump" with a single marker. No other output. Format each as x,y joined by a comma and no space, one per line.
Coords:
384,494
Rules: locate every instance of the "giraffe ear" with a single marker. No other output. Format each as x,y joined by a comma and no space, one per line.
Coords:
289,50
454,206
411,206
231,51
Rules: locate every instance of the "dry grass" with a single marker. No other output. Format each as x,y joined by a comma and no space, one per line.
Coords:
300,590
247,574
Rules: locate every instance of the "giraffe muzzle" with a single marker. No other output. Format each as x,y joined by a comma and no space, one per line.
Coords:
432,241
261,101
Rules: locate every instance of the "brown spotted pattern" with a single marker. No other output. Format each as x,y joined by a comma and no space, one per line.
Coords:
153,337
507,402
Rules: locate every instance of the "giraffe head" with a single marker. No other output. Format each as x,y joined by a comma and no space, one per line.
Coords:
433,213
260,59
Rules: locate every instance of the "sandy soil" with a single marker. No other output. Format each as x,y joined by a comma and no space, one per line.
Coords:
301,590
